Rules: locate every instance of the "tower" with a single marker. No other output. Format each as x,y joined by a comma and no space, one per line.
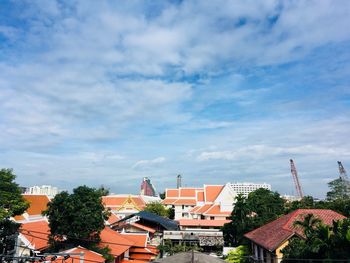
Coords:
296,179
178,181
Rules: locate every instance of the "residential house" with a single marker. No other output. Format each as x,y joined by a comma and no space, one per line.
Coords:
268,240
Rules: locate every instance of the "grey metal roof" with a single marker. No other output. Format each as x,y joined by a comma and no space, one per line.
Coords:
186,257
167,223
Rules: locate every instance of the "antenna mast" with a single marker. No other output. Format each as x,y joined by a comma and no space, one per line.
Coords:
296,179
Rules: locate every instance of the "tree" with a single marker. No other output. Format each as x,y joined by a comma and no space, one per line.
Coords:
76,218
321,242
239,255
11,204
339,189
158,209
260,207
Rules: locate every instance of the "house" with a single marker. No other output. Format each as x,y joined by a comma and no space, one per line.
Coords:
268,240
80,253
37,204
33,236
146,222
124,205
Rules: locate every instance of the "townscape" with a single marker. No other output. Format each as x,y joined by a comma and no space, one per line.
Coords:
174,131
239,222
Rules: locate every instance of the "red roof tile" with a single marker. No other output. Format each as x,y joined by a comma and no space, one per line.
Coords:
185,202
168,201
172,193
200,196
273,234
115,241
211,192
139,240
215,210
203,209
38,203
146,228
188,192
37,233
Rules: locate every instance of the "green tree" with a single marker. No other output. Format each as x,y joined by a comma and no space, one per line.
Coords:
76,218
158,209
11,204
339,189
260,207
239,255
320,242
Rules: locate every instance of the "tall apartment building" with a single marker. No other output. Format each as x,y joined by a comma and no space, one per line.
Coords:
246,188
48,190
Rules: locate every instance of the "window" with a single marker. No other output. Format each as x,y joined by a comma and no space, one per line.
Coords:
183,207
212,218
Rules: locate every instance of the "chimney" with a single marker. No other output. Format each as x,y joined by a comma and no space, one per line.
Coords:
178,181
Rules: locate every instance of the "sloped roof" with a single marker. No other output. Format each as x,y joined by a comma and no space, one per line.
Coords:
120,200
89,256
140,240
166,223
202,222
37,204
113,218
273,234
186,257
200,196
202,209
188,192
145,228
215,210
172,193
169,201
115,241
211,192
37,233
185,202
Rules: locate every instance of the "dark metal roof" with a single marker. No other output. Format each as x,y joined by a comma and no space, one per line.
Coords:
166,223
186,257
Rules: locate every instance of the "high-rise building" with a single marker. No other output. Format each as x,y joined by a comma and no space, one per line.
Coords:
246,188
48,190
147,187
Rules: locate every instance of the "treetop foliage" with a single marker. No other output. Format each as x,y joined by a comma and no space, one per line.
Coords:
77,217
159,209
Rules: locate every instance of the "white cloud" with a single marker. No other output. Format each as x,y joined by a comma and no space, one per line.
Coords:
143,163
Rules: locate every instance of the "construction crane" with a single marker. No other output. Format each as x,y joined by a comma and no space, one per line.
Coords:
296,179
342,172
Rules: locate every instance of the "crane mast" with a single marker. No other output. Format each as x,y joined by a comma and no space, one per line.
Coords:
296,179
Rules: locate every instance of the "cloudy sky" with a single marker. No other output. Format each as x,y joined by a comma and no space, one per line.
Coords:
107,92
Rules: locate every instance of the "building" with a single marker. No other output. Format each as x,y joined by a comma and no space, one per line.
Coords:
246,188
37,204
125,205
147,188
210,202
48,190
189,257
268,240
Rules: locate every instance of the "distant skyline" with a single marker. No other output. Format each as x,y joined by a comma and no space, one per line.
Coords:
109,92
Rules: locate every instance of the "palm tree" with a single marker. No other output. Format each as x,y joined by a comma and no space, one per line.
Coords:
309,223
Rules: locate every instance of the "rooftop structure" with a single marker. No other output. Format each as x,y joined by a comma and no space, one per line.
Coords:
48,190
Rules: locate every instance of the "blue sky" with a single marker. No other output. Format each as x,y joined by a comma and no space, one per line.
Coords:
107,92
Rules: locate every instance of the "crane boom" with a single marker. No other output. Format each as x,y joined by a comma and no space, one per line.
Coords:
296,179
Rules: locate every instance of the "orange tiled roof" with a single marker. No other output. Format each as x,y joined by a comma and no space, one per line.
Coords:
188,192
89,256
146,228
215,210
118,201
115,241
185,202
133,261
37,233
172,193
212,192
38,203
139,240
168,201
200,196
202,222
145,257
145,250
273,234
194,209
113,218
203,209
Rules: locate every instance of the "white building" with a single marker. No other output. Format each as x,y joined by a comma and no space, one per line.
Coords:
48,190
246,188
